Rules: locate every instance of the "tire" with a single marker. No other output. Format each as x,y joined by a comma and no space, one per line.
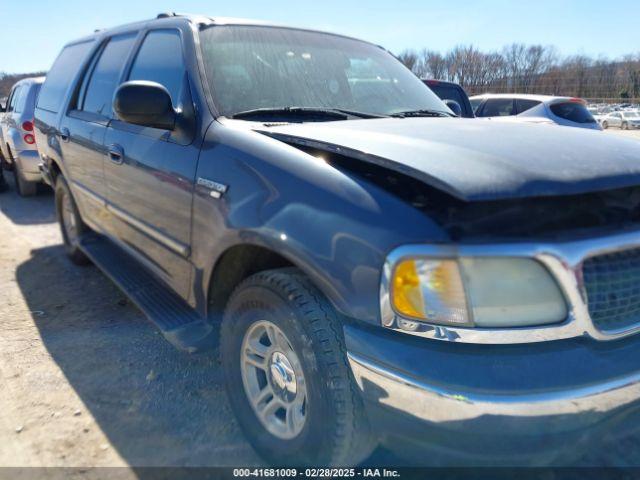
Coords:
71,224
624,126
335,430
24,187
605,125
3,184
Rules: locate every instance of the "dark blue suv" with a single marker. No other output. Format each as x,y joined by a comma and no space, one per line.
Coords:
371,267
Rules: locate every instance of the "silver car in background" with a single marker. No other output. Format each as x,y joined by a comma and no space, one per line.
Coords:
17,142
565,111
624,120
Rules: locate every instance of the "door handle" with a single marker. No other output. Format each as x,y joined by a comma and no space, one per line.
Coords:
65,134
116,153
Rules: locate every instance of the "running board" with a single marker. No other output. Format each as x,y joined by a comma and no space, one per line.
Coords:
179,323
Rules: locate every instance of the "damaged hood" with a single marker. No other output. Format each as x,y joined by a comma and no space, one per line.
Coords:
477,160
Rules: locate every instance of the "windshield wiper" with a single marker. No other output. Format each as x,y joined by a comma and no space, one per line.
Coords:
421,113
304,112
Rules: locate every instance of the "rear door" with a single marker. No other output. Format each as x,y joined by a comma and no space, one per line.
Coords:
83,127
150,172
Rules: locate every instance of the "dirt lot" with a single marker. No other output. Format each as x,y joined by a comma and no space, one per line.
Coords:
86,381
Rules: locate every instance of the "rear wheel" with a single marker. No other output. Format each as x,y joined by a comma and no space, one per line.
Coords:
287,374
71,223
24,187
624,126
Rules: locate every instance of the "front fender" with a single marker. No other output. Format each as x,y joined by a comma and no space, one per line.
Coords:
332,225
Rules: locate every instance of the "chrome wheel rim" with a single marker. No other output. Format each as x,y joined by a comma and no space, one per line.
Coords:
273,380
69,220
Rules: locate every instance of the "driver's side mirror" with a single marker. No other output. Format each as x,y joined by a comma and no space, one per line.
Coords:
454,107
2,108
144,103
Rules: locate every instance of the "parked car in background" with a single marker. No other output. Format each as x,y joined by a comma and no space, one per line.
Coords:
17,140
624,120
565,111
372,268
454,92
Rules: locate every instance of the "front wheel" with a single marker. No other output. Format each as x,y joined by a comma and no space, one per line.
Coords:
71,224
287,374
605,125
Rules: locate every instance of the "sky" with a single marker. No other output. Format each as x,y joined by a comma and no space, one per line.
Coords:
32,32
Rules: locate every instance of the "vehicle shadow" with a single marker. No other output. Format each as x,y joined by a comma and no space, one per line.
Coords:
35,210
156,405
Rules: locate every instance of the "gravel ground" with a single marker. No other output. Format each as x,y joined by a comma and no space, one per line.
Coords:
86,381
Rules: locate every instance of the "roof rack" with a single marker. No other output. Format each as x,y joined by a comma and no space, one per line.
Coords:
167,15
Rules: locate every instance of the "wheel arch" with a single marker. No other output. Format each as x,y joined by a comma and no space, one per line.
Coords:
240,261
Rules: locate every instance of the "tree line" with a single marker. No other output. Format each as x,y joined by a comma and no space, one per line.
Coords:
538,69
7,80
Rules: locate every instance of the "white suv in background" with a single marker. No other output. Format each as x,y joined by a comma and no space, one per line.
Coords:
17,141
566,111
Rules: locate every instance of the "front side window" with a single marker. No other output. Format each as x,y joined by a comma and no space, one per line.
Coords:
61,74
104,79
254,67
498,107
160,60
475,103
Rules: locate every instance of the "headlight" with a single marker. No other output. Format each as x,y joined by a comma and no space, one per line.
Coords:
482,292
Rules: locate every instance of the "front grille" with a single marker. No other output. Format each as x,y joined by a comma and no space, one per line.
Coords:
612,284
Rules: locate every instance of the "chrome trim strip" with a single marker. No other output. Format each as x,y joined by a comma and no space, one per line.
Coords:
563,260
170,243
89,193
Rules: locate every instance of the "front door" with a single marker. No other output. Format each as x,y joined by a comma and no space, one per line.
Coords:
150,173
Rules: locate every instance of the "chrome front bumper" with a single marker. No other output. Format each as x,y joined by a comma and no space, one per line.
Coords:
495,396
539,411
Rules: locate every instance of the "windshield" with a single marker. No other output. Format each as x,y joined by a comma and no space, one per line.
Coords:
257,67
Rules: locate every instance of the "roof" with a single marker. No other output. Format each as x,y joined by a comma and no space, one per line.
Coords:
201,20
31,80
523,96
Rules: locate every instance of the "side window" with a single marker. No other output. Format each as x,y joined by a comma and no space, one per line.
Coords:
104,78
498,107
522,105
13,99
21,99
60,76
160,60
475,103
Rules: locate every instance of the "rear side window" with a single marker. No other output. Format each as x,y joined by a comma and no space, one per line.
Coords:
14,98
522,105
160,60
21,99
573,111
106,74
60,76
498,107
